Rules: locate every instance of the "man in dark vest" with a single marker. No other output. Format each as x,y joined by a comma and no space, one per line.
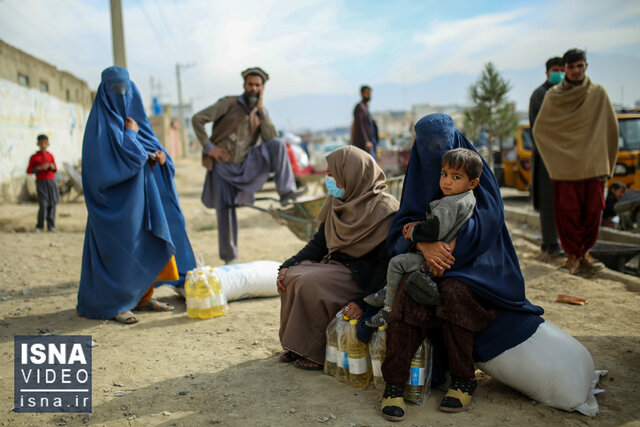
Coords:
237,164
364,131
541,187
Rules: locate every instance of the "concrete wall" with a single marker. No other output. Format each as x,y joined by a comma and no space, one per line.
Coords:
30,72
35,98
25,113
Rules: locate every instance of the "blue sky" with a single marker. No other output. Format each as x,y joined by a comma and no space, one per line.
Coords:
319,52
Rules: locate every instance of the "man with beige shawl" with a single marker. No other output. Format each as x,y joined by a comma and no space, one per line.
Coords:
344,261
576,133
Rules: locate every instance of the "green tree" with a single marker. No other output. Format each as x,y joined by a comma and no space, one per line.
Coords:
491,111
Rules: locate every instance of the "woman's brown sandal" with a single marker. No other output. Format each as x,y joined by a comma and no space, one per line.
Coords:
307,365
288,356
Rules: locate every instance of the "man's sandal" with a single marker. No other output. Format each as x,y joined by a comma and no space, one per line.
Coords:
590,262
458,397
126,318
393,408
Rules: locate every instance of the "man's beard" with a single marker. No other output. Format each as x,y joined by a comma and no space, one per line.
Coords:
574,82
251,98
366,100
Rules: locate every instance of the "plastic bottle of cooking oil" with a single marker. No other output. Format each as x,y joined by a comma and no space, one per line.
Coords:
358,355
415,386
377,350
342,329
331,353
203,294
219,306
190,296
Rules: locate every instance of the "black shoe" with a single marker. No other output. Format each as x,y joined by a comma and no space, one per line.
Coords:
458,397
381,318
376,299
422,289
393,403
292,196
555,251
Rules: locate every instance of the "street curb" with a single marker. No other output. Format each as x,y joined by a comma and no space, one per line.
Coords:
531,219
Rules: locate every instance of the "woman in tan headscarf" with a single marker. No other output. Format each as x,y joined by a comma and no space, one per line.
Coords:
344,261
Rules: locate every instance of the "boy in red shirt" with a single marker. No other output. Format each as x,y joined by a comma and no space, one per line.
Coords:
44,166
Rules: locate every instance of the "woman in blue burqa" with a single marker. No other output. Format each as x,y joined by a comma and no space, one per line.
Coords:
135,228
484,310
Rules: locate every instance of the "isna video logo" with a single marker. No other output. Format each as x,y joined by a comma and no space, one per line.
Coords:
52,373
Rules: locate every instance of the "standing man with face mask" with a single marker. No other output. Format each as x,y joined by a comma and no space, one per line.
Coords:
237,164
576,133
364,131
541,187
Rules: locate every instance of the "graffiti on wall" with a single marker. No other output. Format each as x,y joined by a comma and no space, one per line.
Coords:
24,114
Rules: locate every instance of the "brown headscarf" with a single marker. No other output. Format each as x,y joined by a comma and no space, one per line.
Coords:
360,221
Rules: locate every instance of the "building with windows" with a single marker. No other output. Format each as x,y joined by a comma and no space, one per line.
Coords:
37,98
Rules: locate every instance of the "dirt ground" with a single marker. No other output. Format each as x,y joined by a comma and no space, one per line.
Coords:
177,371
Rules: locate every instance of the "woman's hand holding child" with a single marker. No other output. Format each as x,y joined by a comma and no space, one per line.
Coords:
437,255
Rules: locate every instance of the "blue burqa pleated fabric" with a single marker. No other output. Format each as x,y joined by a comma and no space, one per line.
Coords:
485,258
134,222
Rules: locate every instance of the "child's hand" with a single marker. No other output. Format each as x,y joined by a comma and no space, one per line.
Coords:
129,123
407,230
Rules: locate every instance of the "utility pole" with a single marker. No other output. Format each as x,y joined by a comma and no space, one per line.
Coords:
117,34
183,142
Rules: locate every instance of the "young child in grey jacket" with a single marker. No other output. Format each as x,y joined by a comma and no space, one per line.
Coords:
461,170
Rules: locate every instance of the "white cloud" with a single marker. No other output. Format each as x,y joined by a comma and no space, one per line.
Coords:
308,47
517,39
297,43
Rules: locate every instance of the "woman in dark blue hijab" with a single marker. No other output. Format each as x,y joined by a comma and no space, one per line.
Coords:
134,225
484,310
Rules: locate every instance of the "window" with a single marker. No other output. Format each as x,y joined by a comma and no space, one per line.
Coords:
23,79
527,139
629,134
44,86
68,95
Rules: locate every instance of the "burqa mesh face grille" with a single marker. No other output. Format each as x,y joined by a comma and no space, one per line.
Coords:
119,88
